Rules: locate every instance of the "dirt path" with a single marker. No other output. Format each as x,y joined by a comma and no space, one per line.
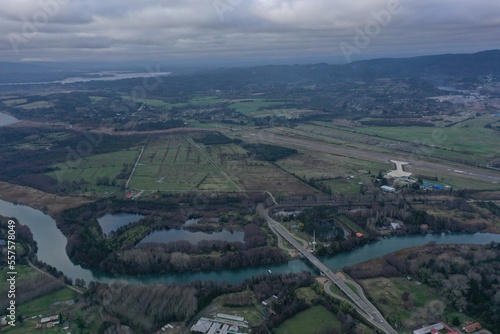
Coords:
47,274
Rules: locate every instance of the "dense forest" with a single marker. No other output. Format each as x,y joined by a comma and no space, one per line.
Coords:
29,153
119,252
216,138
148,307
467,277
271,153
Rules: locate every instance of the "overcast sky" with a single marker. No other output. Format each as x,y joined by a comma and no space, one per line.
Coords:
333,31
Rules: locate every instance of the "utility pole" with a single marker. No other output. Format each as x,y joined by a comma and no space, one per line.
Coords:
314,241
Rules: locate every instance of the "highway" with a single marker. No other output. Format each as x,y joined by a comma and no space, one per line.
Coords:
367,310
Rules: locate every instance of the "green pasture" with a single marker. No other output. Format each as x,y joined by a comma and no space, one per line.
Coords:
307,293
196,101
175,163
205,100
313,320
15,102
96,99
424,145
155,102
90,169
387,295
334,169
47,305
251,106
467,137
36,105
23,273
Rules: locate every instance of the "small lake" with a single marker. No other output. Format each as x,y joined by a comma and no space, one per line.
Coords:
112,221
52,250
7,119
166,236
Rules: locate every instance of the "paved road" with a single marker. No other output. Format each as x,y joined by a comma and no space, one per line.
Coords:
367,309
460,170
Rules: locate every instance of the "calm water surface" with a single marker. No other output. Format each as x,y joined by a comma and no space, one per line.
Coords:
52,243
113,221
7,119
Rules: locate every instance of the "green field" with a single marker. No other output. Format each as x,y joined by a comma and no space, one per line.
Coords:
196,101
387,293
436,142
92,168
15,102
469,137
252,106
48,305
23,273
311,321
176,163
251,311
205,100
96,99
36,105
156,102
330,167
307,293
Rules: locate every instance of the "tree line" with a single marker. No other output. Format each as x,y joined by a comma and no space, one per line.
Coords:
466,277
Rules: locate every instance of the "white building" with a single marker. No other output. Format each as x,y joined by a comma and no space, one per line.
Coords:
388,189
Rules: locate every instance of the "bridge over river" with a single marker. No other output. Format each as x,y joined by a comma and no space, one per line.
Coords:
365,308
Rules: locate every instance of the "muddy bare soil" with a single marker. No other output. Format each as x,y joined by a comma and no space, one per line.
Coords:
51,204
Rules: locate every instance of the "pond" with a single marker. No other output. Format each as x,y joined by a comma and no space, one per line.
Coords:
52,244
112,221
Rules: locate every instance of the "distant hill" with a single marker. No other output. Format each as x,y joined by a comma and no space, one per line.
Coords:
465,65
454,65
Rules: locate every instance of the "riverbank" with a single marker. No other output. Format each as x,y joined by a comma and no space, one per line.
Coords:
50,204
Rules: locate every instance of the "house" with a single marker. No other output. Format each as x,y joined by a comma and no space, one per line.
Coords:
388,189
472,327
429,329
395,226
49,319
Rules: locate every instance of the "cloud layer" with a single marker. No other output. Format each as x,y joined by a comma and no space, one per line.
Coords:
335,31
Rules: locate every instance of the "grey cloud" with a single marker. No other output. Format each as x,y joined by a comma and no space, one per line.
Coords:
132,29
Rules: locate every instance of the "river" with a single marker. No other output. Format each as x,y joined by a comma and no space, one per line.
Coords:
7,119
52,243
